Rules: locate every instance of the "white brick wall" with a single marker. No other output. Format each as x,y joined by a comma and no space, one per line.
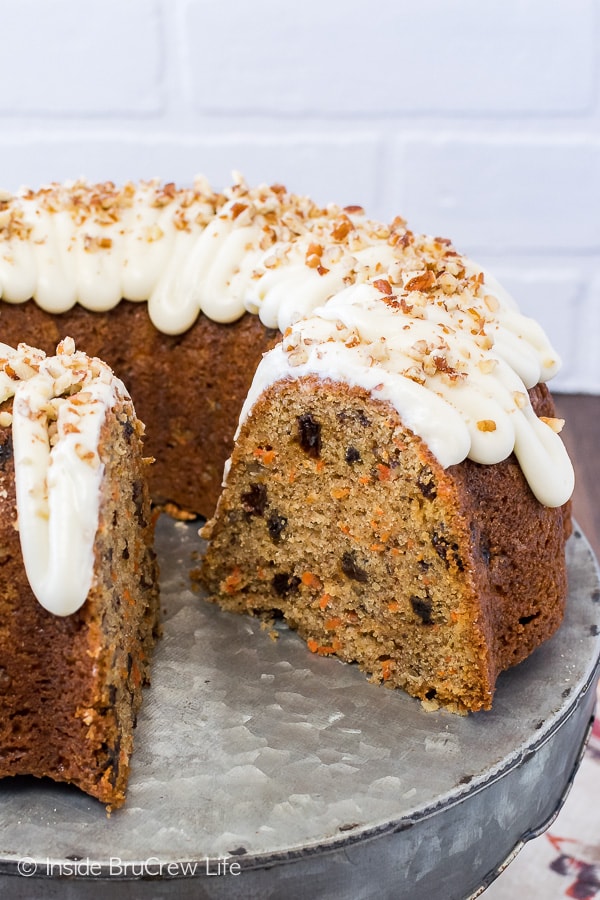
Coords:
81,59
479,121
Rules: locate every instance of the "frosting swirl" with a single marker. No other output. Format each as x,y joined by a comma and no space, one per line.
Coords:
402,315
59,407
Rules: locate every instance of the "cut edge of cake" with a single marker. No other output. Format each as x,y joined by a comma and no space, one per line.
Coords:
339,518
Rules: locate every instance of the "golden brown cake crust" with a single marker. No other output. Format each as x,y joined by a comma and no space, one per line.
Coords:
522,548
70,686
188,389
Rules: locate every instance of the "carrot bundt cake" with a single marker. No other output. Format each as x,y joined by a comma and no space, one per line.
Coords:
79,602
398,489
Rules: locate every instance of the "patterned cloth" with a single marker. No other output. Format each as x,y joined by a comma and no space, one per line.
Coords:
565,861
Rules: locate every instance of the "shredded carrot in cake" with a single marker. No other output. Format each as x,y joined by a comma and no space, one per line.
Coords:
233,581
311,580
386,669
324,600
321,649
267,457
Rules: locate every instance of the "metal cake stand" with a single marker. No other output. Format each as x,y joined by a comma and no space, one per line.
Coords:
264,771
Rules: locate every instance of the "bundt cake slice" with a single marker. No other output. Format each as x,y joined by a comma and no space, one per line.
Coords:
398,487
340,518
79,602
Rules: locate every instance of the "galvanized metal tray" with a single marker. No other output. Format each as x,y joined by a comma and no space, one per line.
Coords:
262,770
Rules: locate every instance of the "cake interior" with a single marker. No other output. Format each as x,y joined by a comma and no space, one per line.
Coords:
340,520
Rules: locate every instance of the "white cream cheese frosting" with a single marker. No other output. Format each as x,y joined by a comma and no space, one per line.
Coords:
402,315
59,408
444,380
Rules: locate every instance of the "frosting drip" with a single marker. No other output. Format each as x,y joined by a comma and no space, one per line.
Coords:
454,387
59,407
401,315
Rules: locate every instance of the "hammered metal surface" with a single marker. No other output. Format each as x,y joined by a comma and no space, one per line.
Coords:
256,747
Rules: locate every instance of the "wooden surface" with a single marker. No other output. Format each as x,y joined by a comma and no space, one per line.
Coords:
581,435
